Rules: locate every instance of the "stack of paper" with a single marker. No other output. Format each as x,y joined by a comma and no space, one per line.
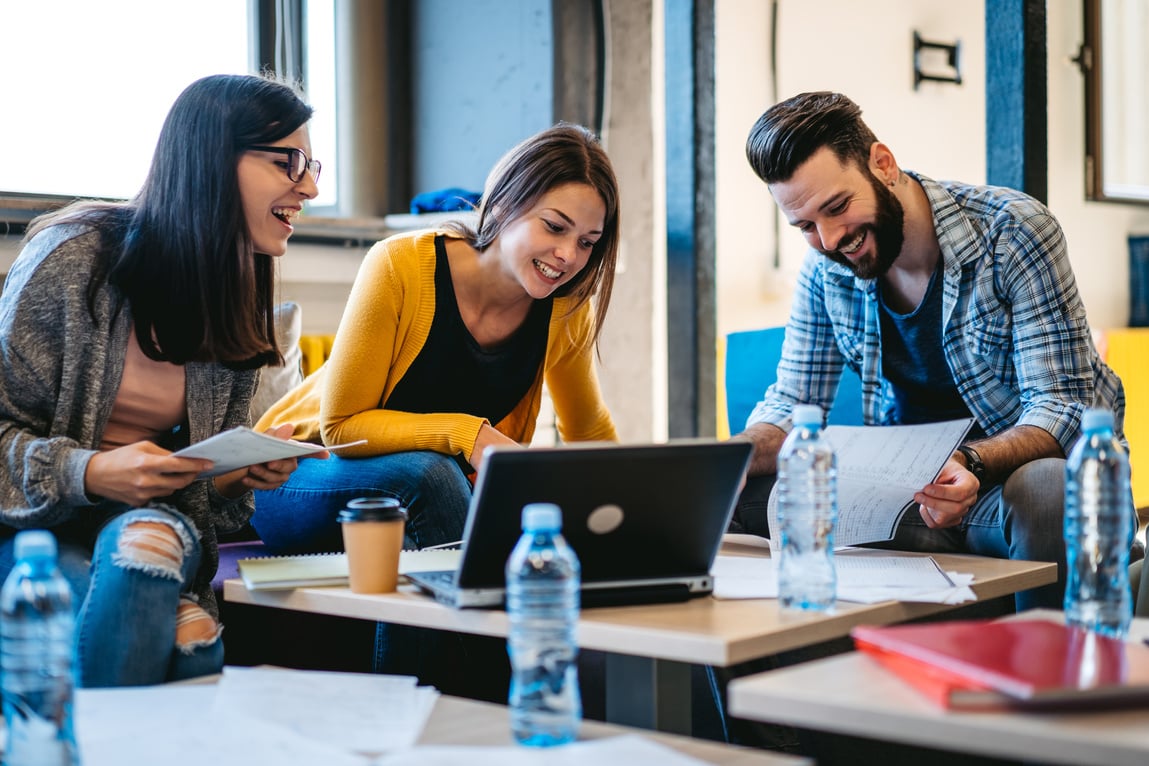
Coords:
864,576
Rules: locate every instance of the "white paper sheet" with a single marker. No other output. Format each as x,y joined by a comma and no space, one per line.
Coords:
362,712
240,447
879,470
863,576
627,750
174,726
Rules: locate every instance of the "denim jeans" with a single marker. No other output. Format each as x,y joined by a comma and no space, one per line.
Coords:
1020,519
126,610
301,515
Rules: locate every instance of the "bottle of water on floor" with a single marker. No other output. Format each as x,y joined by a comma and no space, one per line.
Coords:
36,627
807,513
1098,529
542,607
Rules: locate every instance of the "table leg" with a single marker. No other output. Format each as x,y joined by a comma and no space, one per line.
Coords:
648,693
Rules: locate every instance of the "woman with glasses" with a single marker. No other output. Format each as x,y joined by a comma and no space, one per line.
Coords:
129,330
445,345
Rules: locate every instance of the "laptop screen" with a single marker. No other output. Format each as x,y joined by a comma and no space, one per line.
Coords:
629,511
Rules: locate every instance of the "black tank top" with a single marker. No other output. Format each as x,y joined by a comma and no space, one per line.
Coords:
452,373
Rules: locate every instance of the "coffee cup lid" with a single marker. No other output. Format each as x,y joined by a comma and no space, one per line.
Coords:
373,509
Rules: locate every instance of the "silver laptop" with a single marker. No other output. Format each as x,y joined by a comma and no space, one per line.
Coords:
645,520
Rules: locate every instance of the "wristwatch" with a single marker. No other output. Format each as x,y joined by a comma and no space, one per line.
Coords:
973,462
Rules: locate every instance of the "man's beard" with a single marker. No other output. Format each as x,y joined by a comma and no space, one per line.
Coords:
887,232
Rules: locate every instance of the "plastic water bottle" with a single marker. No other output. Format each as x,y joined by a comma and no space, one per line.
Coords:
807,514
543,606
36,627
1098,529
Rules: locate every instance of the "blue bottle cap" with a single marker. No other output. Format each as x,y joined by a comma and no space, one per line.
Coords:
35,543
807,415
1097,419
541,516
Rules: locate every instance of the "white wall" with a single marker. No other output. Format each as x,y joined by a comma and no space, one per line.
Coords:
866,52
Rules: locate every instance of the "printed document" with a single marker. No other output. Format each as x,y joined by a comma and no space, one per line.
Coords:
241,447
880,468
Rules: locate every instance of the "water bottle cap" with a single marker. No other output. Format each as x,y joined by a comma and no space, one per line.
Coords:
1096,419
807,415
540,516
35,543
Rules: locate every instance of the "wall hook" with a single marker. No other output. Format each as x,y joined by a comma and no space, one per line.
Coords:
953,59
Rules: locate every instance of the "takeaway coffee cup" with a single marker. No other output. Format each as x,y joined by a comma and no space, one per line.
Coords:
373,537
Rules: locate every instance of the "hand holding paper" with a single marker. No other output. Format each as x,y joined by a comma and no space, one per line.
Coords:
242,447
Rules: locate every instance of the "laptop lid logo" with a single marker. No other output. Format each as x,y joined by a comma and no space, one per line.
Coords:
604,519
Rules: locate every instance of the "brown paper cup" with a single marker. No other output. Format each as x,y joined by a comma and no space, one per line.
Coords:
373,538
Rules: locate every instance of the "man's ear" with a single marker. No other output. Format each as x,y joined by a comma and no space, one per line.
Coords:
882,164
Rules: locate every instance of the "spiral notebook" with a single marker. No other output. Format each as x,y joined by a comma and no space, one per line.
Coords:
320,569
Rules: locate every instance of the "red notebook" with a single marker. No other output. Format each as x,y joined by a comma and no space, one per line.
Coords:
1011,663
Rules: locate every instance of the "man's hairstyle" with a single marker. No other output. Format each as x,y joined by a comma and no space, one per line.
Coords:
790,132
562,154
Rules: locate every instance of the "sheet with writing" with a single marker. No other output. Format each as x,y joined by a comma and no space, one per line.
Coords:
879,470
363,712
863,577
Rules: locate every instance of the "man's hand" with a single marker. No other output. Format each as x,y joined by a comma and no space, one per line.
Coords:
767,440
944,502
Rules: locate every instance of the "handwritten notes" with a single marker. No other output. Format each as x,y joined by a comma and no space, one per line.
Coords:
879,470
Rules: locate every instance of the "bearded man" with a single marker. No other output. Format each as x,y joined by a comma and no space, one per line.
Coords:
949,300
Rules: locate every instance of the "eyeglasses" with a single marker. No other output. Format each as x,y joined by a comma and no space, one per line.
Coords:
297,162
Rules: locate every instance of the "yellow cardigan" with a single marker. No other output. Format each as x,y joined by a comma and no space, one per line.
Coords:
384,326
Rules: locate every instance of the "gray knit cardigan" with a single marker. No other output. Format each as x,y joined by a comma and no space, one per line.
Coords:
59,375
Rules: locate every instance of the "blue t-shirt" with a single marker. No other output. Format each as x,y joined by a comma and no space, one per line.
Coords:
914,363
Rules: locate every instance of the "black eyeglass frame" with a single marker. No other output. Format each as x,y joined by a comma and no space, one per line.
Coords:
309,165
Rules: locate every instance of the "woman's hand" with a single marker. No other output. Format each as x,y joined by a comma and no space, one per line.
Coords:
267,475
489,437
140,472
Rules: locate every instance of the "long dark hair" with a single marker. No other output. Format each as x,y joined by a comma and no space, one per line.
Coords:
556,156
180,251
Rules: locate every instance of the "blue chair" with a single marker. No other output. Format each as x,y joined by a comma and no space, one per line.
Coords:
752,365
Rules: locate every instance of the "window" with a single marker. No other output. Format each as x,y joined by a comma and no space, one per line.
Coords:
90,82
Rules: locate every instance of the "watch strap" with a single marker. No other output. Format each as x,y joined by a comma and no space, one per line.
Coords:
973,461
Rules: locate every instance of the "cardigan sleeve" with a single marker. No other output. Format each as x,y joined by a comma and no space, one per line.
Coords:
43,425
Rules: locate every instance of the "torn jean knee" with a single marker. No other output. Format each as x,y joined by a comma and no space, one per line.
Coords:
154,551
195,628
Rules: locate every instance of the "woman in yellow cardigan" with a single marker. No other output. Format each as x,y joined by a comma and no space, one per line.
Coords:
445,344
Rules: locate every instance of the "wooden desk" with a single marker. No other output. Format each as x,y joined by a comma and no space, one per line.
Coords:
650,648
851,694
456,721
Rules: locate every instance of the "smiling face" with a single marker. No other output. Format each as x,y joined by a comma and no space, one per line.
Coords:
845,213
549,244
271,200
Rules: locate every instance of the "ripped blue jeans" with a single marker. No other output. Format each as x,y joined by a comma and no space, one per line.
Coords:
136,624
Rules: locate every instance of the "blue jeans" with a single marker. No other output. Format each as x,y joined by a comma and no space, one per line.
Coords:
126,609
1021,519
301,515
